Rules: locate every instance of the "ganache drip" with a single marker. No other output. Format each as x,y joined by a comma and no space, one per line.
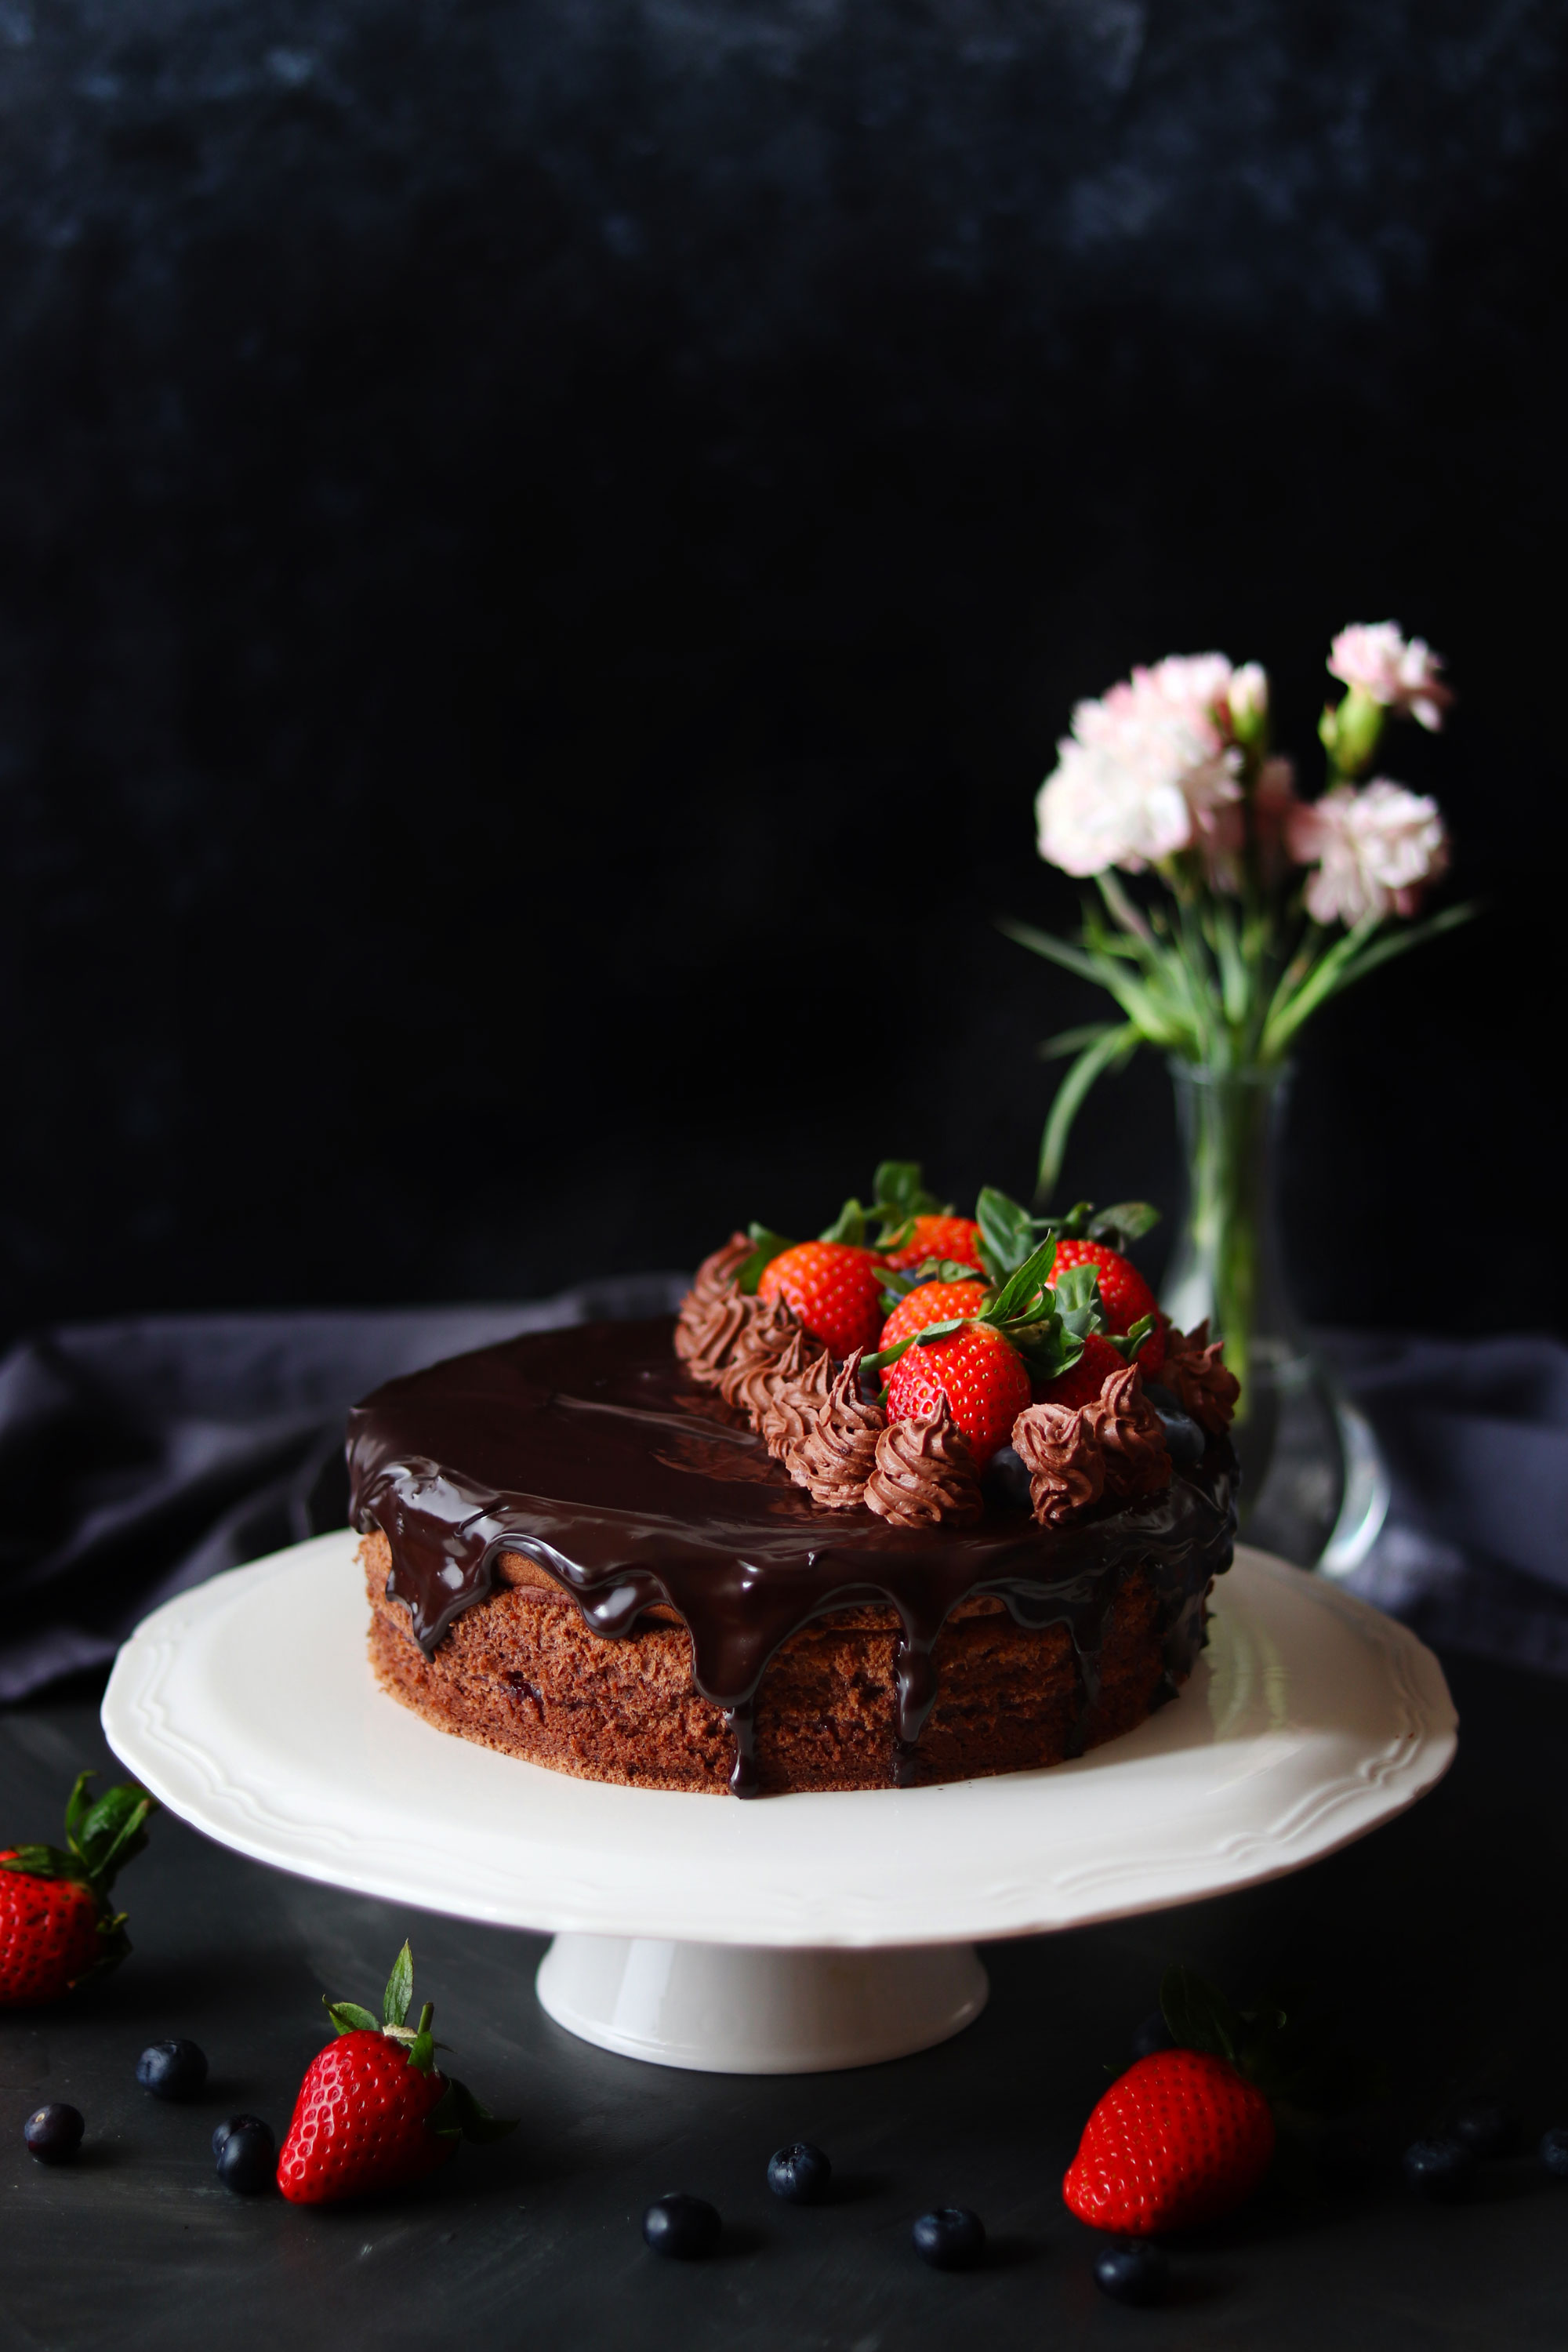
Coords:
592,1452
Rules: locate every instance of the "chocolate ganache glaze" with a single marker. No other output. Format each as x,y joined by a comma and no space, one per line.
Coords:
593,1453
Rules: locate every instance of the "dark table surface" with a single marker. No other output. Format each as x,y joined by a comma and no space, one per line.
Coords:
1442,1937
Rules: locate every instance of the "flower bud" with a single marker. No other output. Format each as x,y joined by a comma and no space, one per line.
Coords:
1350,733
1247,698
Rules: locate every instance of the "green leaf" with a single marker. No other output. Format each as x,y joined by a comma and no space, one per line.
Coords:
931,1331
1127,1343
422,2046
43,1861
1351,960
768,1246
899,1193
1048,1349
1019,1289
112,1832
1078,1299
350,2017
1071,1041
478,2123
1199,2016
1007,1233
1113,1045
398,1998
1095,967
848,1225
78,1804
1124,1222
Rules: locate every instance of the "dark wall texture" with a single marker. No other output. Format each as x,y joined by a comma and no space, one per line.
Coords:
546,545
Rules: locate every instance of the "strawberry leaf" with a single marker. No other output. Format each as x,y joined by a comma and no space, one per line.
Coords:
1007,1233
1047,1348
1199,2016
1123,1223
78,1804
422,2047
768,1246
848,1225
898,1195
43,1861
1019,1291
350,2017
112,1832
398,1998
476,2120
1078,1299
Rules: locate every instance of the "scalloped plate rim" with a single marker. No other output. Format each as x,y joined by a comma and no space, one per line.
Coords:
160,1720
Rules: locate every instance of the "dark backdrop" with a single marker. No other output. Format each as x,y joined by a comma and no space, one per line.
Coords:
546,549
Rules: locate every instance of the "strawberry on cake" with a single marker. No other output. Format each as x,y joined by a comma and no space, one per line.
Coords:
925,1498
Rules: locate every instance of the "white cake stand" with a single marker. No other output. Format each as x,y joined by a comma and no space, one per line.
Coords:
791,1934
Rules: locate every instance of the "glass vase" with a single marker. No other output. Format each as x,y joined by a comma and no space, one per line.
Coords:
1313,1487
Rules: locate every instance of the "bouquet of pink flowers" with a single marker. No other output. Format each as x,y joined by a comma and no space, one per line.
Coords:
1270,904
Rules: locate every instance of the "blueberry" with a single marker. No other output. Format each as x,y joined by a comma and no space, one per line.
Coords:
1554,2152
173,2070
1438,2168
236,2123
1152,2035
685,2228
1007,1479
53,2134
1485,2131
799,2173
247,2160
951,2239
1185,1441
1133,2271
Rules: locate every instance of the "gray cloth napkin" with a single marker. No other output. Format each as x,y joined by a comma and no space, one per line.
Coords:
1474,1554
139,1457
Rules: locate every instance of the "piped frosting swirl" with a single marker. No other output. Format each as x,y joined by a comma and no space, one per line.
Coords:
923,1474
1194,1368
714,1313
1132,1436
837,1452
796,1401
1064,1458
770,1328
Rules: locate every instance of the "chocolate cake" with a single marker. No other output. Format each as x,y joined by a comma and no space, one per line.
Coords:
584,1548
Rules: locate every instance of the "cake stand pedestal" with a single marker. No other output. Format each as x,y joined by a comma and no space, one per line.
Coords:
790,1935
738,2008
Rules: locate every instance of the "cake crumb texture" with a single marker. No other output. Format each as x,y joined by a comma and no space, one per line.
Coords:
521,1672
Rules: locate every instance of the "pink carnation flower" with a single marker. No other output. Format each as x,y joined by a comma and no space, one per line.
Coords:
1375,850
1145,773
1403,674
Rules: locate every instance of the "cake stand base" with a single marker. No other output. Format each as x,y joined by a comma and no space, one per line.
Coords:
736,2009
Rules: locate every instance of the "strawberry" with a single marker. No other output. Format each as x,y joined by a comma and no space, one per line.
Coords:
374,2112
1084,1381
56,1927
1182,2139
954,1238
832,1287
983,1378
984,1350
931,1302
1124,1295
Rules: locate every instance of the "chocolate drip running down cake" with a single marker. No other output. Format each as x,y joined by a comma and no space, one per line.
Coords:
580,1552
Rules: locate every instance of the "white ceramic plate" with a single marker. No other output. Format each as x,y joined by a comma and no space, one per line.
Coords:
247,1705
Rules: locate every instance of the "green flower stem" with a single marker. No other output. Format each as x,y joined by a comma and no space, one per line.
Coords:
1226,1117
